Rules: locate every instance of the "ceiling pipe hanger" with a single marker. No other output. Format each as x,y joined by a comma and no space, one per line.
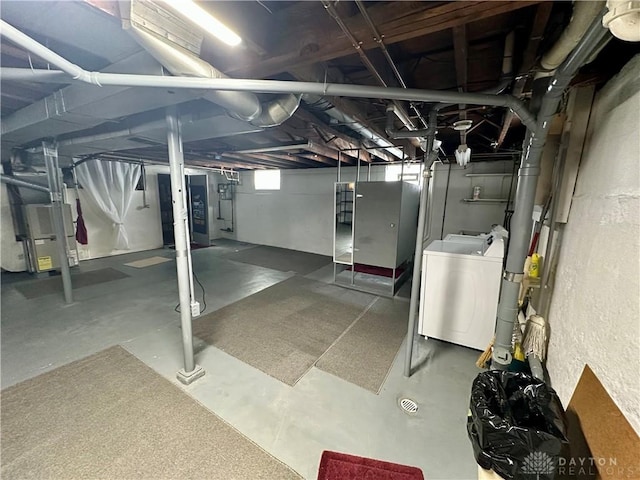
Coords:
258,86
379,39
399,109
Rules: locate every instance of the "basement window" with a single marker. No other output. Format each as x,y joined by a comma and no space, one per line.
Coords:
267,179
410,173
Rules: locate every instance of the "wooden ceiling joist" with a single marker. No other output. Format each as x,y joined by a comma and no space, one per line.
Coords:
397,21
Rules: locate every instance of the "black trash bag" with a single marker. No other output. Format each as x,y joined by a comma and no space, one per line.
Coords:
517,425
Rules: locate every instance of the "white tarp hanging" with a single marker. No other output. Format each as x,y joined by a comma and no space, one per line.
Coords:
110,187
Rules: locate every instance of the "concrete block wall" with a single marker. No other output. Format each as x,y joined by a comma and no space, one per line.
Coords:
299,216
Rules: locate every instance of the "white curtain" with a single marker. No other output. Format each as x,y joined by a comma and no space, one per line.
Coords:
110,187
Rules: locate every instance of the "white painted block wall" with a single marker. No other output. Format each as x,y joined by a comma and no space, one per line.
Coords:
299,216
595,311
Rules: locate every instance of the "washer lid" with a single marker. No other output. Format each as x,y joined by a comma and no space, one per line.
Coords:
460,248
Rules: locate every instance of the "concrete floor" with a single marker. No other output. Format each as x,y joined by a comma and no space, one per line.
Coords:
295,424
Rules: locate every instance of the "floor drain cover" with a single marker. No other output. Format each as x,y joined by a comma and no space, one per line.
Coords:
408,405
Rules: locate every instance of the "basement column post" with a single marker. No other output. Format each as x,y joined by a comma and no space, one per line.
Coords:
429,157
191,371
50,152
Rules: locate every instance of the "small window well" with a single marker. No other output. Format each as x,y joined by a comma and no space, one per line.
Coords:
267,179
410,173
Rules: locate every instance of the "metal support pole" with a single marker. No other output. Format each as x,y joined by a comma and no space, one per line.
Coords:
358,168
417,259
191,371
50,151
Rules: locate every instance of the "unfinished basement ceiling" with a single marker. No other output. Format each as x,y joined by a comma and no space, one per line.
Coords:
434,45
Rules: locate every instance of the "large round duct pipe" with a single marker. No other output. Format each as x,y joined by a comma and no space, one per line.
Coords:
242,105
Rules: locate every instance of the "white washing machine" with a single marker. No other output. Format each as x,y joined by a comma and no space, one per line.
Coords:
460,287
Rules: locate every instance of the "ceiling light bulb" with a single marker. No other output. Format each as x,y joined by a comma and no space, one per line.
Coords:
463,155
202,18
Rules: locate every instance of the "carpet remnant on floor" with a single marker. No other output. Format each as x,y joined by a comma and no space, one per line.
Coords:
287,328
281,330
365,354
111,416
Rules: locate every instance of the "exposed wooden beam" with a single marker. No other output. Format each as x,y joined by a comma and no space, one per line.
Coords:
329,152
340,140
303,157
253,161
543,12
461,55
290,160
397,21
219,161
540,21
319,158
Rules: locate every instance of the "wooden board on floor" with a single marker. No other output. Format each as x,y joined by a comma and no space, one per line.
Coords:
599,430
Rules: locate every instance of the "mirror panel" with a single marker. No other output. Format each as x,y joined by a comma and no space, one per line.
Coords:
343,223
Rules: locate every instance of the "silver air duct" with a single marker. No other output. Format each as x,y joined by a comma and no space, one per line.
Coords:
181,62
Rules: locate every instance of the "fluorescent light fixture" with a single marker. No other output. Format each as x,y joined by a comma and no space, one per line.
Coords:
463,155
199,16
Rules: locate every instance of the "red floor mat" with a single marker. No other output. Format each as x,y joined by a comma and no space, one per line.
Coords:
339,466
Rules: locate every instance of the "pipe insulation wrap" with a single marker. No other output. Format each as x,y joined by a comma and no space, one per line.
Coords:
583,14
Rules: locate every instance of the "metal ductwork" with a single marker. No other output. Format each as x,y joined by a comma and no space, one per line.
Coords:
354,125
181,62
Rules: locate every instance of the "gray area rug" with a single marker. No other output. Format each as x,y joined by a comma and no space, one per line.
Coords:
364,354
48,286
282,330
111,416
280,259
